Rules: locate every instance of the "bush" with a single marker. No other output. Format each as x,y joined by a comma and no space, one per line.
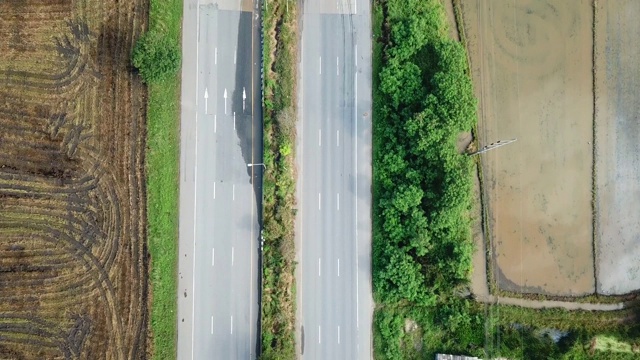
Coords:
156,56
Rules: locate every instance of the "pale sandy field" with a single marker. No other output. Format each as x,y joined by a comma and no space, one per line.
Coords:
617,177
532,69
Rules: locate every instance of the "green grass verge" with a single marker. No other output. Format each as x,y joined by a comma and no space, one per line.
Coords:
279,116
163,141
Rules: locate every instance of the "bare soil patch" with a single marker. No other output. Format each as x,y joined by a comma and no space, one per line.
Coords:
617,195
532,65
73,255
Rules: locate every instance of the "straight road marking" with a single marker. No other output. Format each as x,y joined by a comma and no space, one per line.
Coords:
233,191
338,267
213,257
320,65
338,138
319,266
235,55
215,56
338,198
232,249
319,334
214,190
232,324
319,137
355,151
338,334
211,324
338,66
195,197
234,120
319,201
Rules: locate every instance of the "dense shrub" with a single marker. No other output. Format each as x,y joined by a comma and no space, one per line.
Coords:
156,56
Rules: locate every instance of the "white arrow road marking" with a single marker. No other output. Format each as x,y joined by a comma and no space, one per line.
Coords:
244,97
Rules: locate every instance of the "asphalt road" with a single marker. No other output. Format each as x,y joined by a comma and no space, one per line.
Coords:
334,185
221,133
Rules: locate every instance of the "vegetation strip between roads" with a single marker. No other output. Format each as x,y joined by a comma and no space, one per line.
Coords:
279,185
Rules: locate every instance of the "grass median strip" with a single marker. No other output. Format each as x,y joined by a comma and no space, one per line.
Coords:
163,121
278,282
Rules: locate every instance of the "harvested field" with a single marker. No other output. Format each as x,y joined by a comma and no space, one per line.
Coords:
532,65
73,254
617,193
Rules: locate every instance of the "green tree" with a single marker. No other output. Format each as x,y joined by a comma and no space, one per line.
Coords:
156,56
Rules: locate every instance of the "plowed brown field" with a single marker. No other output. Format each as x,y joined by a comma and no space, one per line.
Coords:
73,253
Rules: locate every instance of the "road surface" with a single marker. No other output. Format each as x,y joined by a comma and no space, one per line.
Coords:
221,134
334,185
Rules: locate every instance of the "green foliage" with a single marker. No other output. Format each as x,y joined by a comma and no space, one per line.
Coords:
278,297
156,56
163,143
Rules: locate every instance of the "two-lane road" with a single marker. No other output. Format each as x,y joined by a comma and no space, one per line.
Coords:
334,185
221,134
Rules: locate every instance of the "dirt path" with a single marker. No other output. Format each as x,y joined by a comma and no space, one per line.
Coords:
537,304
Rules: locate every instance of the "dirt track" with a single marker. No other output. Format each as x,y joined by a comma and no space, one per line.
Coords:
532,68
73,256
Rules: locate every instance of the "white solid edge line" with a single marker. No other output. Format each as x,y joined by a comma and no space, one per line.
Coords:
234,119
319,334
231,324
355,150
215,57
193,281
320,65
211,324
338,199
213,256
319,201
235,55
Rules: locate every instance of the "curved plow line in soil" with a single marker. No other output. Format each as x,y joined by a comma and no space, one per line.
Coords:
82,226
99,274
